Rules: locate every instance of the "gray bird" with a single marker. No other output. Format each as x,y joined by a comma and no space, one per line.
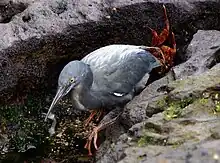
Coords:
105,78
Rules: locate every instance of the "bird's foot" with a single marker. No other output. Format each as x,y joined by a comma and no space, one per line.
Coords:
94,135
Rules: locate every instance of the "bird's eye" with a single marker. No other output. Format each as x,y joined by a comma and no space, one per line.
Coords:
72,80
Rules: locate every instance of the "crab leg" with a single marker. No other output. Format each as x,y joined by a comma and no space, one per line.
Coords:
170,52
155,37
158,53
173,41
159,40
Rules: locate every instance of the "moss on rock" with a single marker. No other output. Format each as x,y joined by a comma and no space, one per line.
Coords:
176,107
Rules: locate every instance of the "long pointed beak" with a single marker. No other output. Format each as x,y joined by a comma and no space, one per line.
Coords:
58,96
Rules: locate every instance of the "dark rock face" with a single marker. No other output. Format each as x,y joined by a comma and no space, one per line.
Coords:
8,9
39,37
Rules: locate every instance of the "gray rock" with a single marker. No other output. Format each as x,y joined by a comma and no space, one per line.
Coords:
39,37
194,86
189,120
202,53
9,8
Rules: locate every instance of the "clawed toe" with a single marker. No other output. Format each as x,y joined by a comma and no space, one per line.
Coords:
93,136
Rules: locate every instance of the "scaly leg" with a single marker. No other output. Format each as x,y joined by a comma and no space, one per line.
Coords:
88,120
97,112
94,134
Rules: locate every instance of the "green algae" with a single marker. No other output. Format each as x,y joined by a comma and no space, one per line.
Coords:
175,108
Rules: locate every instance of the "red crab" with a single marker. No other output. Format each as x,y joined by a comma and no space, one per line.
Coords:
165,53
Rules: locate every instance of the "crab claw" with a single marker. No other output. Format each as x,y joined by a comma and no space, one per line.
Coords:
158,40
166,53
155,37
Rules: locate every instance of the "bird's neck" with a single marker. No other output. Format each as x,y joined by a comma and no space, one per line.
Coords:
84,98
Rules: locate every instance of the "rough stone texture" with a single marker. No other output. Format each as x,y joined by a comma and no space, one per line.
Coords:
201,153
171,139
204,152
200,59
39,37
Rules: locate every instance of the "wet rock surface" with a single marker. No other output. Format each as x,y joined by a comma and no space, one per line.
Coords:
169,121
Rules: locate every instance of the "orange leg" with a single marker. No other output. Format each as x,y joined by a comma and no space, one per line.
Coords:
94,135
165,54
97,112
155,37
159,40
165,33
88,120
170,52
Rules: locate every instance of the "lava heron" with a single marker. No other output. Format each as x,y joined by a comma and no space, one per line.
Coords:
105,78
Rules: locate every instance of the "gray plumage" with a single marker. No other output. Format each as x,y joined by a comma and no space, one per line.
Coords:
106,77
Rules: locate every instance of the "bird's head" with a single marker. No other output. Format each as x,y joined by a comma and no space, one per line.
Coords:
73,74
